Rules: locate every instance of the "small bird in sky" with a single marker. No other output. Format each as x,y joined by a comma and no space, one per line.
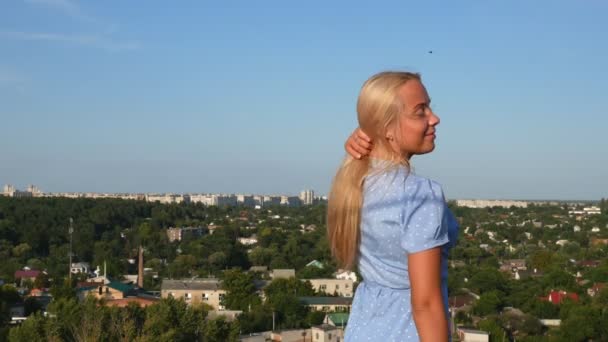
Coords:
430,51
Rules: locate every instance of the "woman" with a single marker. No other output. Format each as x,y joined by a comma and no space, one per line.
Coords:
391,224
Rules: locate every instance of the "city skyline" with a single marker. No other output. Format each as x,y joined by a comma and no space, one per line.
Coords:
259,98
305,198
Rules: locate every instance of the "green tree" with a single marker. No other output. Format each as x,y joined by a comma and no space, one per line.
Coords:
581,324
487,279
488,303
219,330
282,297
493,327
542,260
241,292
32,329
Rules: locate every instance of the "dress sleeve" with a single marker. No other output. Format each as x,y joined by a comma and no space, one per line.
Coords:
424,226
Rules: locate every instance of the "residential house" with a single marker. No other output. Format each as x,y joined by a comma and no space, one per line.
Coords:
471,335
557,297
110,291
180,233
260,269
511,265
588,263
23,276
535,273
461,302
328,304
208,291
80,267
140,299
338,319
283,273
327,333
289,335
340,287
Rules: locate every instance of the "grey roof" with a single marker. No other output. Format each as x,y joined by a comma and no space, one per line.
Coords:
191,284
258,269
326,300
325,327
283,273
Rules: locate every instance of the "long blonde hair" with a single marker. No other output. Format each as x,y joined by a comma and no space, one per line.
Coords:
378,107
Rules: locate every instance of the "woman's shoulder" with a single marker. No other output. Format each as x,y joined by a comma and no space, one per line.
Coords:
418,185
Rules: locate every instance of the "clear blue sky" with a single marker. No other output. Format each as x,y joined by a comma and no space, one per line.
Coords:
258,96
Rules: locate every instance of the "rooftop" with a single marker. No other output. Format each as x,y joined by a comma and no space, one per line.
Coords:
326,300
191,284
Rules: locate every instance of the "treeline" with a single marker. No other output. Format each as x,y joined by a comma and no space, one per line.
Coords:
168,320
34,233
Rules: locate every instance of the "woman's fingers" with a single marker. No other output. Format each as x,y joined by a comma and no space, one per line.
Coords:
362,135
353,152
358,144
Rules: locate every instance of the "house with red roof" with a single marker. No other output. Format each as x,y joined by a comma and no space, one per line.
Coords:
21,276
557,297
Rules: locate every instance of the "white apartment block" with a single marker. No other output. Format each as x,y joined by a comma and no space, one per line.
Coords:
194,291
11,191
341,287
593,210
307,197
164,198
491,203
8,190
272,200
290,201
245,200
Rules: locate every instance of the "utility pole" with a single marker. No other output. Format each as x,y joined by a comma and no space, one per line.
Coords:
71,231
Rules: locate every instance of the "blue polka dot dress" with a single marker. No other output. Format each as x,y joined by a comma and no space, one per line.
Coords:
402,213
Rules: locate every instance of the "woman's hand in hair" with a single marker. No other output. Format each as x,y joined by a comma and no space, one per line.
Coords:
358,144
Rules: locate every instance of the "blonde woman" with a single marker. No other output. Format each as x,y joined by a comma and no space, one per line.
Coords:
390,223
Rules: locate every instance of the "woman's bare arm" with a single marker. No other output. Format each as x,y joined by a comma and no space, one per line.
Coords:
427,297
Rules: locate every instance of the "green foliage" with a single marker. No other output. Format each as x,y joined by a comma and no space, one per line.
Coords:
542,260
219,330
311,272
282,297
241,292
584,323
522,325
33,329
487,279
559,279
542,309
489,303
493,327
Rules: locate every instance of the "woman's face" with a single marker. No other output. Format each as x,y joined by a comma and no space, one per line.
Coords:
415,131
